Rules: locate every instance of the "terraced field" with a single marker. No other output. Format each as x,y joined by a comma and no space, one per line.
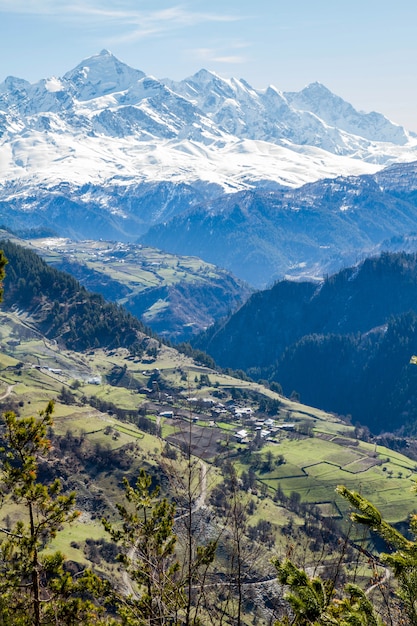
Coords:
33,370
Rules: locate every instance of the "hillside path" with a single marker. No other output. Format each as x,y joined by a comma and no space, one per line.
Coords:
7,392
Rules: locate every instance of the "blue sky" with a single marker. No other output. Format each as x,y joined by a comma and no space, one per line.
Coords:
365,51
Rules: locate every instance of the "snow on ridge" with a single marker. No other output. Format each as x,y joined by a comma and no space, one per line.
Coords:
104,120
336,112
53,84
101,74
235,164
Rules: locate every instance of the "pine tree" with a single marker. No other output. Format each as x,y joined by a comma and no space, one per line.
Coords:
314,602
3,263
35,589
403,558
148,542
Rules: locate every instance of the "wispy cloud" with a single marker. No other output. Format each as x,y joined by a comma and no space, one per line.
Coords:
134,23
227,54
230,59
32,7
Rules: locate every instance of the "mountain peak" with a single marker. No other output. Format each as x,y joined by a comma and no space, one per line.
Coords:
12,83
316,86
204,76
316,98
101,74
313,93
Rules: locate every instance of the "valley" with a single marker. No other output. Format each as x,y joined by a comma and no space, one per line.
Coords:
116,413
343,343
177,297
216,288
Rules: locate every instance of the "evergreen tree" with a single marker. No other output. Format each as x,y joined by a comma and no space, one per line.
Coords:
314,603
403,558
35,589
317,602
148,542
3,262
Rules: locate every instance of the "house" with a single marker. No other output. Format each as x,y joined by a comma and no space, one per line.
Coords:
243,411
94,380
241,435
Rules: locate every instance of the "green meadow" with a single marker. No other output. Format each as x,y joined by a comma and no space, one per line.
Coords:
33,370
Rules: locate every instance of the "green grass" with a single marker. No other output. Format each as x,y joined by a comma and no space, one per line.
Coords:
7,361
227,427
122,397
313,467
286,470
168,429
267,509
77,532
140,269
78,420
131,432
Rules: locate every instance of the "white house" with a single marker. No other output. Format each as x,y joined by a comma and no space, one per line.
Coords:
241,434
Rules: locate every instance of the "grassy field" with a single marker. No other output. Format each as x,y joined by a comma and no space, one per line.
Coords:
314,465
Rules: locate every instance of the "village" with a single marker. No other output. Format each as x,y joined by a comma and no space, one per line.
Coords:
206,420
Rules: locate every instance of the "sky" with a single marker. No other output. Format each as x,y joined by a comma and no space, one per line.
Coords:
364,51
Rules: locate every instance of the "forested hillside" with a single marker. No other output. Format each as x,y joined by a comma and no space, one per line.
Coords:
343,344
263,235
62,309
203,496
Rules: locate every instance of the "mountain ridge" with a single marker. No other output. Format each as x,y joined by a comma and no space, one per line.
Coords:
265,235
344,343
103,97
108,152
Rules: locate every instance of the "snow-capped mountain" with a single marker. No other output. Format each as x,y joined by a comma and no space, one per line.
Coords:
312,117
337,113
107,149
203,128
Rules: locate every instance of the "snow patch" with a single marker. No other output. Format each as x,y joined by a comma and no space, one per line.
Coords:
53,85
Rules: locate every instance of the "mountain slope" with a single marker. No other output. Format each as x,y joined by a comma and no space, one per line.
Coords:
344,344
175,296
338,113
62,309
104,98
122,150
263,235
314,116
